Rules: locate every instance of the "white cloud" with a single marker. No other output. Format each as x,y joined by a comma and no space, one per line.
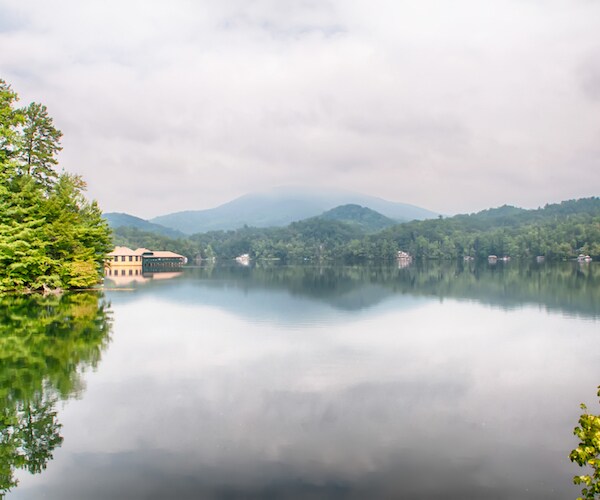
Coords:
452,106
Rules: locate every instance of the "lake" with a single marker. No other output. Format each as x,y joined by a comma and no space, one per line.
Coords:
231,382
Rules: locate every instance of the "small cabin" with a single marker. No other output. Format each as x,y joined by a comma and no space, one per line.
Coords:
243,259
403,255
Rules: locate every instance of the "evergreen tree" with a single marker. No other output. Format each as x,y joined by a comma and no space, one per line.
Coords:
50,235
10,119
40,142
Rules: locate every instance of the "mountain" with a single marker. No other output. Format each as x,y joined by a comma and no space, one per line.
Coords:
282,206
366,219
558,232
116,220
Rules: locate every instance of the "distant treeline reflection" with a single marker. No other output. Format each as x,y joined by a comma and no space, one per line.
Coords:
45,345
566,287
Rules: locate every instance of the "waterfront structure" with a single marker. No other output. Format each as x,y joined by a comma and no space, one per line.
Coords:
162,259
124,261
123,256
403,255
243,259
404,259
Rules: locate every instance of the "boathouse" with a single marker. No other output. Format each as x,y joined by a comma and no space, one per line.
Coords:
124,257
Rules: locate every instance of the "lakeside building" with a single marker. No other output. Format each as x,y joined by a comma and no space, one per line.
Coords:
404,259
243,259
124,261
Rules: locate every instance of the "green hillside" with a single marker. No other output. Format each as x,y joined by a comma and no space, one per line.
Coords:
364,218
558,231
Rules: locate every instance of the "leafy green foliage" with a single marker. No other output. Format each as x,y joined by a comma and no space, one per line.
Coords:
50,235
10,119
587,453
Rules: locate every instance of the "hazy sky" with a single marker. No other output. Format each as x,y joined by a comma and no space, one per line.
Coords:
450,105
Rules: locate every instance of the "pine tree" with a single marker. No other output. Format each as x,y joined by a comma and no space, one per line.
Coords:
50,235
40,143
10,119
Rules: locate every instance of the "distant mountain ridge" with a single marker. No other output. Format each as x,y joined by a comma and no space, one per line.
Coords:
558,231
282,206
116,220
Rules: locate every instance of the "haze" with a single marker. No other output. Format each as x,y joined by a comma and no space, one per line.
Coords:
452,106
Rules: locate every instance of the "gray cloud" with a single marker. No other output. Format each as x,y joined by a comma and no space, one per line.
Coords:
185,105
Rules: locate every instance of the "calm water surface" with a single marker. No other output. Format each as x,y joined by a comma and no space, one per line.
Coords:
302,382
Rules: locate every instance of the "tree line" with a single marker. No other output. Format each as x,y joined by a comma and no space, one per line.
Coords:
50,235
558,232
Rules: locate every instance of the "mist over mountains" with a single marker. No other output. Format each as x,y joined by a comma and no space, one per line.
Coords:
116,220
274,208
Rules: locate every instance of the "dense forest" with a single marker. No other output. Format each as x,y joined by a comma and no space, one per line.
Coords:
50,235
558,232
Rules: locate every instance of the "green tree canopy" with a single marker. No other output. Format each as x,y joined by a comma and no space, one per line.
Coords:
587,453
40,142
10,119
50,235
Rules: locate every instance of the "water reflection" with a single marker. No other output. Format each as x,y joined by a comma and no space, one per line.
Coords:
45,345
565,287
135,275
447,400
317,382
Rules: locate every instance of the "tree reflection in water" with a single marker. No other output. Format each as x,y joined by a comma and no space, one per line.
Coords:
46,343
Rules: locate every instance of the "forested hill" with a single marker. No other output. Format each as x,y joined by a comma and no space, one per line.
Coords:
558,231
508,216
366,219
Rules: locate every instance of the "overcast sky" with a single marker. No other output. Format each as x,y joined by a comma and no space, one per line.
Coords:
453,105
